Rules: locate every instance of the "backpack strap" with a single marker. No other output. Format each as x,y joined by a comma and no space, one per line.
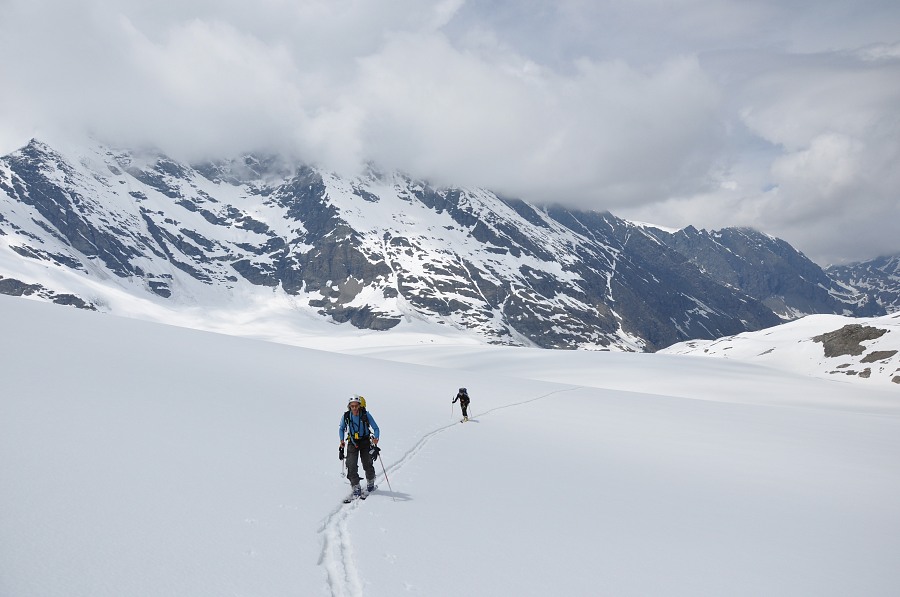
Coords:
363,427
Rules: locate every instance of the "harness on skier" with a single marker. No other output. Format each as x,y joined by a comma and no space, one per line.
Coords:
357,432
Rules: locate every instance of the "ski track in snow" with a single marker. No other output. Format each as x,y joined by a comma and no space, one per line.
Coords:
342,575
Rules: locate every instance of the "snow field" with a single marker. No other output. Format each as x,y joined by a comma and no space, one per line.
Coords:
144,460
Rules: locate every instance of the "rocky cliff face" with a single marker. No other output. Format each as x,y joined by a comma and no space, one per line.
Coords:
878,278
770,270
377,251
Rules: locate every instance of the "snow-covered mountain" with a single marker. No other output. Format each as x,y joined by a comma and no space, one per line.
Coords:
771,270
880,278
140,234
828,346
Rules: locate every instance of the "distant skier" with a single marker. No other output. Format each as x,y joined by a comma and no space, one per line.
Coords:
355,424
463,397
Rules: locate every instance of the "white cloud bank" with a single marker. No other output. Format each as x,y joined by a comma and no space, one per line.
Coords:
704,113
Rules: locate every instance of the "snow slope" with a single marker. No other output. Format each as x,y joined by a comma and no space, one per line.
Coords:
870,354
144,460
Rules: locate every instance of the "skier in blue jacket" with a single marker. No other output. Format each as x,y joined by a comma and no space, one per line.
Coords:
355,426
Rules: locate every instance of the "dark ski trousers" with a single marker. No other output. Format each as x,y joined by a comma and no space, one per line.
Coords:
362,451
465,408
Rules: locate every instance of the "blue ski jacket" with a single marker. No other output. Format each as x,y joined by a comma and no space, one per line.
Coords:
356,427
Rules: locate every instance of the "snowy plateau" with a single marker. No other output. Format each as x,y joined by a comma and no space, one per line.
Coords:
143,459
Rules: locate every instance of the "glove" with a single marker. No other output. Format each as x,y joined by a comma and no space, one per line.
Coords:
341,452
373,452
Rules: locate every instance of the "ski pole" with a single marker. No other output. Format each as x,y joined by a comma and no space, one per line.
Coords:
388,481
452,405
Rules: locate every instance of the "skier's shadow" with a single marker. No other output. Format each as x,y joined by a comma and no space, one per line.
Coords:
394,495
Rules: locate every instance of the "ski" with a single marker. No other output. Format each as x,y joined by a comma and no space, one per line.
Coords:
363,495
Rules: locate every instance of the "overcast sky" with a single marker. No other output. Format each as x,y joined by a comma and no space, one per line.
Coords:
779,114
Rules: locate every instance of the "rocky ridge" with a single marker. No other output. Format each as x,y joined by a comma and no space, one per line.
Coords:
381,250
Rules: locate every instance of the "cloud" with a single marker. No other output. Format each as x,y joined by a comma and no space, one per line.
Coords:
829,182
605,131
778,115
194,77
331,90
